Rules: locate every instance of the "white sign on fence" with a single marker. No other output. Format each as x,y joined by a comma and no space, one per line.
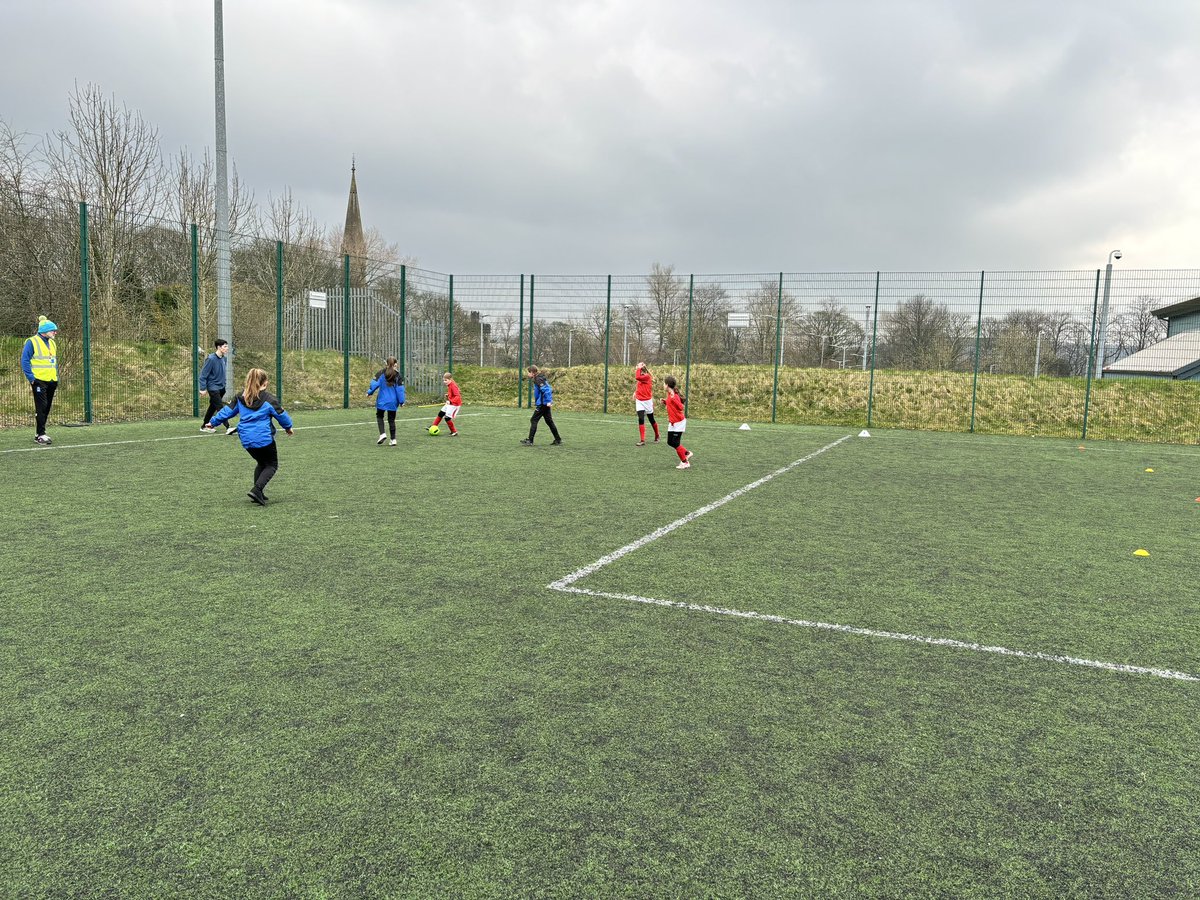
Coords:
317,299
739,320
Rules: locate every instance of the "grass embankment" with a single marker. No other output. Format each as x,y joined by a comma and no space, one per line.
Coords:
147,380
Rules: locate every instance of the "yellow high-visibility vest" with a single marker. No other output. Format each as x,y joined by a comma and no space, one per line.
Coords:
44,361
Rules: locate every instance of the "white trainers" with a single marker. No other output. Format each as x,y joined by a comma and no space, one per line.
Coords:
684,465
393,442
232,429
44,440
382,438
208,429
689,456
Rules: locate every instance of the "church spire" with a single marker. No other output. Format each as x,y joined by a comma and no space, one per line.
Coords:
354,244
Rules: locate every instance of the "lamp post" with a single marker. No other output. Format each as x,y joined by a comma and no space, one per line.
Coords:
570,335
1099,366
481,318
1037,355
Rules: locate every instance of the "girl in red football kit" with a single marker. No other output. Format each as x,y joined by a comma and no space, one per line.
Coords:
452,405
643,402
676,423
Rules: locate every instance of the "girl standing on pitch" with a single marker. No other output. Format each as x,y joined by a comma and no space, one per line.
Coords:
452,405
643,402
391,397
543,399
676,423
257,411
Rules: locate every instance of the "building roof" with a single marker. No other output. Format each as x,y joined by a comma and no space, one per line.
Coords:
1176,356
1178,309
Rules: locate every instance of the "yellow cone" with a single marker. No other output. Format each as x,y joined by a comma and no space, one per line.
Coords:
1149,470
1141,552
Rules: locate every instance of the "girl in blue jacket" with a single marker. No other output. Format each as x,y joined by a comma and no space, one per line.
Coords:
257,412
391,397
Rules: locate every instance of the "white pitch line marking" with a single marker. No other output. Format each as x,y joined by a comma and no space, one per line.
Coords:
565,586
690,517
893,635
191,437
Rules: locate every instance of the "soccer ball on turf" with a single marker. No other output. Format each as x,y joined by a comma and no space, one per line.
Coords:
433,429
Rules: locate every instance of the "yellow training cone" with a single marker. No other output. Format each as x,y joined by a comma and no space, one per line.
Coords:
1141,552
1149,470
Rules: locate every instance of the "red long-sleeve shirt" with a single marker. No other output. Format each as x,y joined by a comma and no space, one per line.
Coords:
645,385
674,408
453,394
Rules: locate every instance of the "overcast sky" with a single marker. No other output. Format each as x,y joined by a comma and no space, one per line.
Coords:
501,136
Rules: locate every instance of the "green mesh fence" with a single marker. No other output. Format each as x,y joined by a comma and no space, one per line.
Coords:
1058,353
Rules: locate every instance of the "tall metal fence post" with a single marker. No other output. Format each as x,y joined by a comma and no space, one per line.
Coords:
450,340
607,335
403,317
874,335
195,253
778,348
1087,394
978,337
279,319
521,346
687,374
529,397
345,331
85,298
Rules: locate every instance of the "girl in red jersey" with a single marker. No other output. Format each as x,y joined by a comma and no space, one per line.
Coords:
676,423
643,402
452,405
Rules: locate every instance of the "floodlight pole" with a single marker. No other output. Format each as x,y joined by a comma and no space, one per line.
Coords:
221,226
481,318
1102,336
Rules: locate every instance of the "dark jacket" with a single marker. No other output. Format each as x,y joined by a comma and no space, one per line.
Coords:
212,376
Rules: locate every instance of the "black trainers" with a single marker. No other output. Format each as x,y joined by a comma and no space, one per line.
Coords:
257,496
556,441
527,443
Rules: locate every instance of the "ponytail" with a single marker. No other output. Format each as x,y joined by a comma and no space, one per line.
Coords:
256,380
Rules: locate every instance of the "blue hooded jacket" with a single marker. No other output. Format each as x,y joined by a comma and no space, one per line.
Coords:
391,396
542,394
255,425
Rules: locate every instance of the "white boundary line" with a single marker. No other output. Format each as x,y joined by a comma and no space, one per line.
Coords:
678,523
200,437
565,583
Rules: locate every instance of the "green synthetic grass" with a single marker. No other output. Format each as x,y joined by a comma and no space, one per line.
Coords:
367,689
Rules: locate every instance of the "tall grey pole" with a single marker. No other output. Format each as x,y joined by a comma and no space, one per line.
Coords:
1037,355
1098,369
221,226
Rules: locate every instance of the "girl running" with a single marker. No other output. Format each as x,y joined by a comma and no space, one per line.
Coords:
676,423
452,405
391,397
257,412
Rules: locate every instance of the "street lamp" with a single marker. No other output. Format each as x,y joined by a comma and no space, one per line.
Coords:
481,318
1099,365
570,334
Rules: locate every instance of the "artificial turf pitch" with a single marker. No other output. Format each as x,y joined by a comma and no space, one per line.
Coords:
368,688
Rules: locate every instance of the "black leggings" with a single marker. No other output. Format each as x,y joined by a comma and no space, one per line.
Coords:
268,463
215,402
391,417
43,397
542,412
674,438
643,416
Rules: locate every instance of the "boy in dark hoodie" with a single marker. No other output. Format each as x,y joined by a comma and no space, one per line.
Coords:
543,398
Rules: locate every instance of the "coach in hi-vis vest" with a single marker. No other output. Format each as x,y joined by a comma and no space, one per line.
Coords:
39,362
